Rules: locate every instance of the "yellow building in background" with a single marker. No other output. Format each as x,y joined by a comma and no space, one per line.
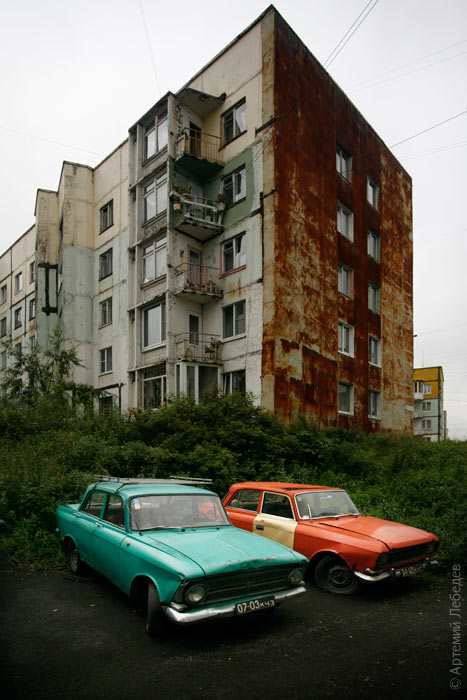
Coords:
430,422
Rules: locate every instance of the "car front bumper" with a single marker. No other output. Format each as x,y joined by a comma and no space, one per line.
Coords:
374,576
187,617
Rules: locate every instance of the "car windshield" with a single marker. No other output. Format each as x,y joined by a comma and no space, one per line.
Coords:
167,511
321,504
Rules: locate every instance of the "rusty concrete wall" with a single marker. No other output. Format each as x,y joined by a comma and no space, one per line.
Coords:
301,364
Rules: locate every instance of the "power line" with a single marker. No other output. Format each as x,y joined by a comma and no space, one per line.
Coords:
441,330
57,143
440,149
429,129
158,87
344,40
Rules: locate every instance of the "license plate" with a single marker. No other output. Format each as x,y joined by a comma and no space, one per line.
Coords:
410,570
254,605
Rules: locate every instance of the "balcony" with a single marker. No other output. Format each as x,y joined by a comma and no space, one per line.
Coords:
198,152
197,347
197,216
198,281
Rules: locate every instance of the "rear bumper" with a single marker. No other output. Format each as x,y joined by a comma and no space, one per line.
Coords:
187,617
374,576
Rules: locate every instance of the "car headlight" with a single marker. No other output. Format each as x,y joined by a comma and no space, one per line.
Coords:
196,594
295,578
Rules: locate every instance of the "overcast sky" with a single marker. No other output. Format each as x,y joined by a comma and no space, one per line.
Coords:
76,76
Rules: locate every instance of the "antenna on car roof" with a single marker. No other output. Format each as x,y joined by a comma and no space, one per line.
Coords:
126,481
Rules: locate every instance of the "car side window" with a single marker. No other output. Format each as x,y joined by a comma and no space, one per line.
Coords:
114,512
94,502
277,504
245,500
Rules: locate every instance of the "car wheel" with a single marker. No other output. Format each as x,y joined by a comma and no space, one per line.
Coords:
333,575
156,620
74,560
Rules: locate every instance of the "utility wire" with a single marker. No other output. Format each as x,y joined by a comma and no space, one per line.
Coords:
432,151
158,87
349,34
57,143
429,129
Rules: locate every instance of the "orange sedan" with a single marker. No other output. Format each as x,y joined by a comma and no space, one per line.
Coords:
343,546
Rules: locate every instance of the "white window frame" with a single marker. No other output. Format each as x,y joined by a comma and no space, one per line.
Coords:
105,264
156,136
238,319
106,215
234,122
32,272
18,282
372,191
374,244
346,335
154,260
426,407
345,280
3,294
374,404
105,360
374,297
157,375
236,183
155,196
426,424
427,388
343,163
374,351
159,311
344,221
350,393
236,248
105,312
231,381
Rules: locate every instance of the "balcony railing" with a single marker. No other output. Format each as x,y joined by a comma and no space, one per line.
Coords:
198,144
197,215
198,279
197,347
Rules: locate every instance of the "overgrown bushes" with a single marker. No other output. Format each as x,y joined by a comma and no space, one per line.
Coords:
50,451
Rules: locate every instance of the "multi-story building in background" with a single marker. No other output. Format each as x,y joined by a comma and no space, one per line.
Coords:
253,231
430,418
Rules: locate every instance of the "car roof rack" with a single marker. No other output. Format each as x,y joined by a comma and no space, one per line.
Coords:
127,481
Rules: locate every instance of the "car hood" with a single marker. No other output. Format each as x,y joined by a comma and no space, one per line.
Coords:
393,535
225,549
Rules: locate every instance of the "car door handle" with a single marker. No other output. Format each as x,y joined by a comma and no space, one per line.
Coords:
259,527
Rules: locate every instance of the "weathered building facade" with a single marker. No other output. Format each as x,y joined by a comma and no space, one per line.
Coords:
430,418
253,232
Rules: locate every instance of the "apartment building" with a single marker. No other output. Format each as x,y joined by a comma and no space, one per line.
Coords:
253,231
430,418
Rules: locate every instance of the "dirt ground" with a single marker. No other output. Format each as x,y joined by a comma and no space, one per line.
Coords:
67,638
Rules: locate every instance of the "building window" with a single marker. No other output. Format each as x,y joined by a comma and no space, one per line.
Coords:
373,244
374,351
346,339
234,253
418,387
344,280
105,312
374,404
3,359
156,136
344,221
107,216
345,398
154,260
343,163
18,282
374,297
426,423
32,309
105,264
234,122
154,325
234,319
372,191
3,294
32,342
234,186
234,381
105,404
32,272
106,360
426,406
427,388
2,327
154,386
155,196
18,317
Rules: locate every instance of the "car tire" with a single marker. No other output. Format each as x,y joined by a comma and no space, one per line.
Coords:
333,575
75,564
156,620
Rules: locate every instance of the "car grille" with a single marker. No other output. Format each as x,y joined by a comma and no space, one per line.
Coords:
247,583
397,556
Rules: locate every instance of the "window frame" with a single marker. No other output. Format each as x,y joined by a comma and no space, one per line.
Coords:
374,244
227,382
350,388
155,247
236,263
106,216
427,424
3,294
3,327
106,264
150,194
343,163
156,374
32,308
160,120
372,339
374,404
235,320
277,495
372,191
374,294
340,270
18,282
424,405
162,326
18,317
231,177
106,360
32,272
105,312
231,115
343,211
342,328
